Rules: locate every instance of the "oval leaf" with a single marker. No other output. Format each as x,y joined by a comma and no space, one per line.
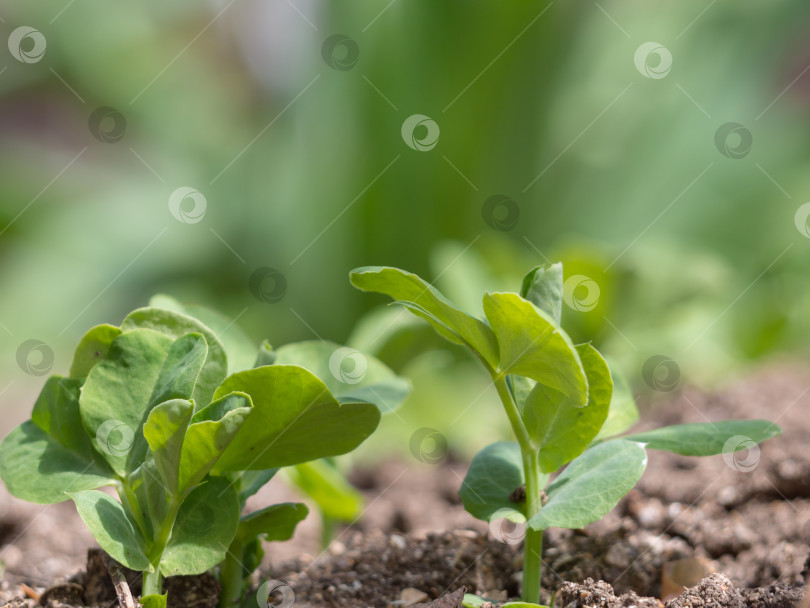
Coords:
92,348
276,522
348,374
495,472
37,468
164,430
211,431
239,348
532,345
294,419
428,303
115,397
707,438
543,287
203,530
623,412
592,485
322,482
560,430
111,527
175,325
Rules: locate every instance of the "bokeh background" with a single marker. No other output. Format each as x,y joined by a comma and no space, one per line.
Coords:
247,154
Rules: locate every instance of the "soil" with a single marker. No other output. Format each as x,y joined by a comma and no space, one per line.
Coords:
695,532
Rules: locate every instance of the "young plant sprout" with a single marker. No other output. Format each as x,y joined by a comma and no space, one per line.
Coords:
170,411
560,402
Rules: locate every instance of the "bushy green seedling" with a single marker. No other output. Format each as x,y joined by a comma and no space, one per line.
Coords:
185,433
560,403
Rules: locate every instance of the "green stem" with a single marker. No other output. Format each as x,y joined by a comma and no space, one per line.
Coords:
533,542
328,527
153,581
230,575
499,380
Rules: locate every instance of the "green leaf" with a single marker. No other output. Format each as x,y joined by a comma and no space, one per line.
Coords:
56,412
203,530
543,287
150,497
164,430
592,485
522,605
532,345
112,528
153,601
211,431
92,348
560,430
265,356
251,482
348,374
427,302
294,419
37,468
276,522
623,411
322,482
239,348
115,397
707,438
495,472
181,369
175,325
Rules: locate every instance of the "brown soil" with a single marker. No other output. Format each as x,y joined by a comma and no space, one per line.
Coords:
747,521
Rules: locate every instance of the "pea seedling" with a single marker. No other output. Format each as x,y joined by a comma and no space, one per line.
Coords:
559,400
149,409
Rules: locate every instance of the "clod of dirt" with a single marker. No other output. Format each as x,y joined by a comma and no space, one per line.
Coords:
451,600
599,594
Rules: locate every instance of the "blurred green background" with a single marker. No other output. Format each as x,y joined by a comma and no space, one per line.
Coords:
614,162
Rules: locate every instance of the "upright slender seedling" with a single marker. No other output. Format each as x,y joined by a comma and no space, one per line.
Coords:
559,400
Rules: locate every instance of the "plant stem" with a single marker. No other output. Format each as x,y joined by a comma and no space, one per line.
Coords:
328,527
499,380
152,583
230,575
533,542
